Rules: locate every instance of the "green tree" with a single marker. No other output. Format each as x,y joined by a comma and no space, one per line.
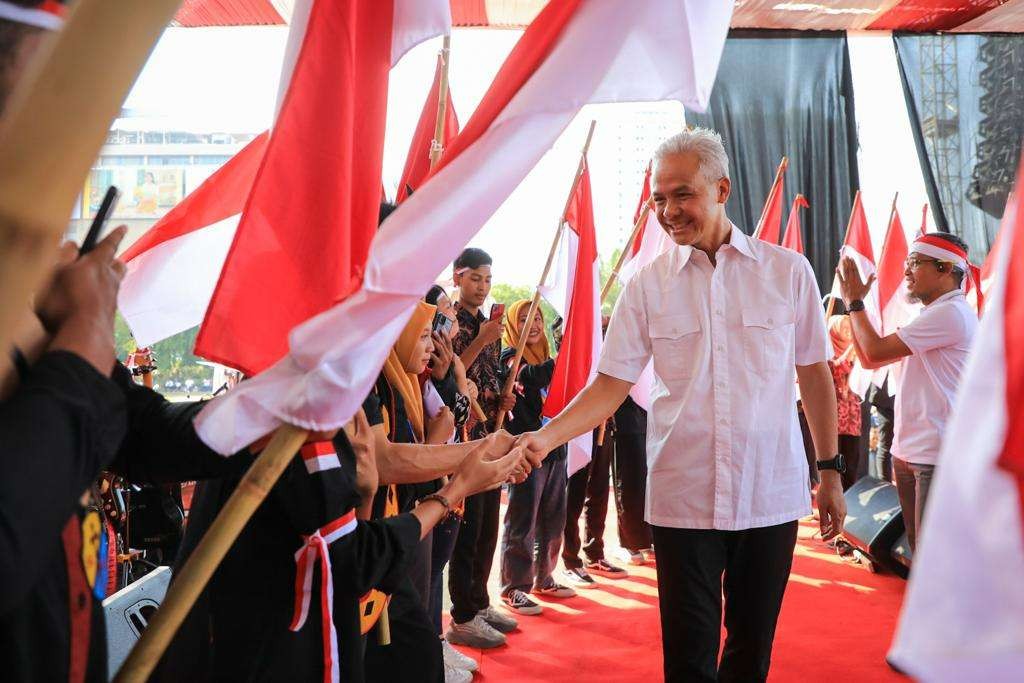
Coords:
509,294
174,357
613,293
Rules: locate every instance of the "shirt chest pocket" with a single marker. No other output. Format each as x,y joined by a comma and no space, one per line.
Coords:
767,338
675,344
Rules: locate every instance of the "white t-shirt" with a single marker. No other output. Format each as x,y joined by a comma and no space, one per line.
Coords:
939,338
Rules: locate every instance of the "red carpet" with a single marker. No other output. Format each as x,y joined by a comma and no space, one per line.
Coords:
836,625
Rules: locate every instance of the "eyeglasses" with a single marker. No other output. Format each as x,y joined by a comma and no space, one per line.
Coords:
913,263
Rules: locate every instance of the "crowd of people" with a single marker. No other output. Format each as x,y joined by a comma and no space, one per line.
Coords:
340,573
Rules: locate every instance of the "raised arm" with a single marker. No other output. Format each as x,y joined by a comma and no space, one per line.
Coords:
873,350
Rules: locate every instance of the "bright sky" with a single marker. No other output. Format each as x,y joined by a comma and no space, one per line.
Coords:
225,80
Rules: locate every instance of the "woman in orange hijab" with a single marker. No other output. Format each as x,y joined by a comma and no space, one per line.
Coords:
535,517
408,359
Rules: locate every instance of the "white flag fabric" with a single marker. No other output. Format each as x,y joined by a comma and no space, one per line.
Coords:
174,267
963,615
600,51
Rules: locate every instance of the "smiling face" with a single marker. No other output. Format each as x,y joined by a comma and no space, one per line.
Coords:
925,281
536,329
418,360
689,207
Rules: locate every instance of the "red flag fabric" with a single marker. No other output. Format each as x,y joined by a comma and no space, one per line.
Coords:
923,230
303,238
577,359
1012,456
770,224
417,163
793,239
174,266
892,264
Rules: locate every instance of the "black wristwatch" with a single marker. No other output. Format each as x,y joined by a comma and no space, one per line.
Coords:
838,463
856,305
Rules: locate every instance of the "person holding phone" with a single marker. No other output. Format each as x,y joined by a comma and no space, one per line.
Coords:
478,344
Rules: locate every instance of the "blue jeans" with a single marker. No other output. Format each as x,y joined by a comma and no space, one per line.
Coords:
533,526
445,534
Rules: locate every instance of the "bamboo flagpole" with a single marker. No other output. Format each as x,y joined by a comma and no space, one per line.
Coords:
535,304
61,108
783,165
437,146
641,221
193,577
628,248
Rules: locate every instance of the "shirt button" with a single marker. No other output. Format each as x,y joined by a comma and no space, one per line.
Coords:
770,321
719,348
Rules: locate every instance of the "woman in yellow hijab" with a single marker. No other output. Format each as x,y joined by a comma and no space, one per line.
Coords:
535,518
407,360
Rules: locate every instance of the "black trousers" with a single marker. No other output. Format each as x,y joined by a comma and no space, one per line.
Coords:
695,568
630,477
588,494
474,553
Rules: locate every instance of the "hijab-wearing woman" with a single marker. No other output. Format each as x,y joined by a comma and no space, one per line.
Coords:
841,334
536,508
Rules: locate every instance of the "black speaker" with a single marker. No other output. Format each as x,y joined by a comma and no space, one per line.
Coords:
873,520
903,555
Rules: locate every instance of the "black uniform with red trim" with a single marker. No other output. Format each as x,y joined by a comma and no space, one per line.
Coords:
240,629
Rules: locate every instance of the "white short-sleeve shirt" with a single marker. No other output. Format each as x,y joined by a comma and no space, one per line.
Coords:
940,338
724,449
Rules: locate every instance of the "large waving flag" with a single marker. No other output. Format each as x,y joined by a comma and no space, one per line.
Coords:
574,53
576,364
794,239
857,246
174,266
651,242
417,163
963,616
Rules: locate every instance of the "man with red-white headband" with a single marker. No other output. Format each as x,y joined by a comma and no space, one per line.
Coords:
934,346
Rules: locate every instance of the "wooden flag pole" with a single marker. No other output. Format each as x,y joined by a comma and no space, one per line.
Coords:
849,224
535,304
437,146
193,577
783,165
61,108
629,246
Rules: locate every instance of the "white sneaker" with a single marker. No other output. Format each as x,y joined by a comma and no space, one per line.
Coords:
553,589
500,621
456,659
625,555
579,578
453,675
475,633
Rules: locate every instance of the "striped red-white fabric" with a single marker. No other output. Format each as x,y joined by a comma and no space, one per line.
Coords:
574,53
175,267
45,14
320,456
794,238
313,553
963,615
576,364
651,243
857,246
896,310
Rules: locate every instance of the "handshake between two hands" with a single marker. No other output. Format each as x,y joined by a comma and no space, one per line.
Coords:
497,459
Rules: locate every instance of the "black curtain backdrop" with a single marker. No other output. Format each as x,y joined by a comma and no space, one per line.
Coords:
789,93
965,95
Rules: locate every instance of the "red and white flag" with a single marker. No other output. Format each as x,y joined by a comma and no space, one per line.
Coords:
794,239
576,364
173,268
896,310
986,274
295,253
963,615
857,246
650,243
417,162
770,223
574,53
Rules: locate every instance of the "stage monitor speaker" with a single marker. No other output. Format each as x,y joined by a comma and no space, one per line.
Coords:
902,554
873,520
128,611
